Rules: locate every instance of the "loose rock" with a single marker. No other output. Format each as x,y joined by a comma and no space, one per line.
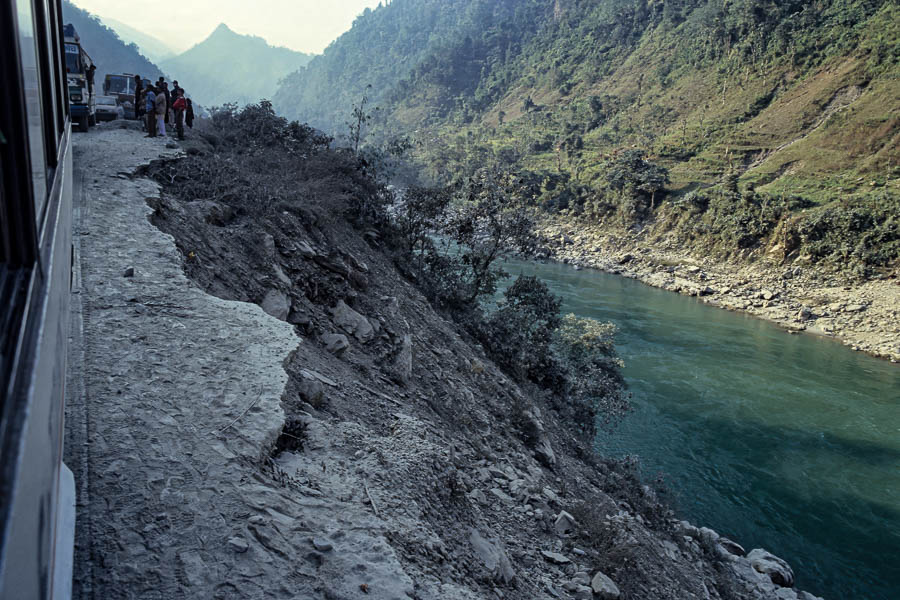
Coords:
276,304
555,557
352,322
604,587
239,545
493,557
768,564
336,343
322,545
565,523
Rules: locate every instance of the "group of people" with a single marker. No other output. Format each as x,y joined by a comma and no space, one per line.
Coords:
160,107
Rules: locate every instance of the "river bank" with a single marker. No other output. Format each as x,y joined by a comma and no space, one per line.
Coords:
862,315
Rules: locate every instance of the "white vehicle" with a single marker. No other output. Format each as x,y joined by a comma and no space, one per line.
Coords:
108,108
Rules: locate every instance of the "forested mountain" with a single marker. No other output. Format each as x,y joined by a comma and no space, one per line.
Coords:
108,51
154,49
228,67
708,86
736,113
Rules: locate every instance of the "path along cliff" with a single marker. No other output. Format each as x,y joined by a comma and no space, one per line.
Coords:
260,406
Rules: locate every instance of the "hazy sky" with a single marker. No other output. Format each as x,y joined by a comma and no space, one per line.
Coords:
304,25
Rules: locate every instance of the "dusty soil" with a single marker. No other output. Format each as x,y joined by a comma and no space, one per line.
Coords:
863,315
348,444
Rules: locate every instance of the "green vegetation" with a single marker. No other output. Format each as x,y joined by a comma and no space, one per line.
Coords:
614,111
449,242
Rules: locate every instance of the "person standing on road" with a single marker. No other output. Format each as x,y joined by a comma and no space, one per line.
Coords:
179,105
165,90
90,79
150,111
189,113
162,107
138,105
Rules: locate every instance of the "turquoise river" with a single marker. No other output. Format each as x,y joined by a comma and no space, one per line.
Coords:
785,442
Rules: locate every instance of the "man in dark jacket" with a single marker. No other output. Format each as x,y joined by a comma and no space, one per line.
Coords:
150,110
138,103
189,113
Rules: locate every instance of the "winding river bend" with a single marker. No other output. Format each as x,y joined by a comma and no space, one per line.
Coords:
788,443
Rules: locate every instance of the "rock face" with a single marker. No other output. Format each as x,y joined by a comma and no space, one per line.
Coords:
277,304
352,322
604,587
768,564
493,557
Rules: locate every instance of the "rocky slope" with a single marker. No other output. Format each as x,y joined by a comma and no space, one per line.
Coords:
415,467
799,297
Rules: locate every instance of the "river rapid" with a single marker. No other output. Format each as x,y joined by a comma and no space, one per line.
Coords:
785,442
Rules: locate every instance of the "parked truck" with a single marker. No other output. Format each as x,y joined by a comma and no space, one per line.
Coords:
122,86
80,80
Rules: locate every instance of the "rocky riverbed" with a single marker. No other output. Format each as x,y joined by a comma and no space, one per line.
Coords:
864,315
366,450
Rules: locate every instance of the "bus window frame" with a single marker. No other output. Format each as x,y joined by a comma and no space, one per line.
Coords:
21,225
50,86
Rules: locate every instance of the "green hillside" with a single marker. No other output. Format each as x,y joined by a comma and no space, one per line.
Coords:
751,99
229,67
110,53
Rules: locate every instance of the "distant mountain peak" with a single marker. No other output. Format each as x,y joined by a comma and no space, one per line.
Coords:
223,29
231,67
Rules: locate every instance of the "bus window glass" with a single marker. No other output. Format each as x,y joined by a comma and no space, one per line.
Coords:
56,45
73,64
49,81
117,85
31,81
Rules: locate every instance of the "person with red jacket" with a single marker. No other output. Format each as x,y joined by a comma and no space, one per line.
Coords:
179,106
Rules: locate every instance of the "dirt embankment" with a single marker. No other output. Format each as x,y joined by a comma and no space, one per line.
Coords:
863,315
424,471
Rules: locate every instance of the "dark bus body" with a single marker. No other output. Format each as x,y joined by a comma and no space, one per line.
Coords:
36,191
